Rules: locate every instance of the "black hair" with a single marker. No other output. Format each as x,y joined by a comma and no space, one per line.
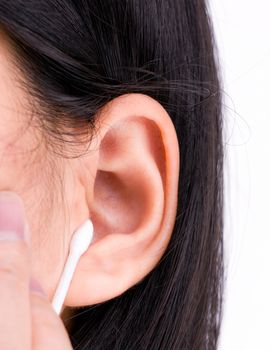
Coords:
77,55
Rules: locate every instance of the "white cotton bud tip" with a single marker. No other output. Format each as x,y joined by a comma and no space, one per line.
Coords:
79,244
82,238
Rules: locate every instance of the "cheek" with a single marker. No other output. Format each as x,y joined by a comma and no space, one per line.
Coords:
11,167
23,169
47,254
49,231
18,138
45,216
14,162
20,148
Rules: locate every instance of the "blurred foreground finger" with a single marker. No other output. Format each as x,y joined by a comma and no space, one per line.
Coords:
15,318
48,331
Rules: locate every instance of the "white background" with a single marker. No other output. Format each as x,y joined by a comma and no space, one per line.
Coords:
243,33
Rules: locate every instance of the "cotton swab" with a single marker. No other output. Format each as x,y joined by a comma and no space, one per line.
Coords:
80,242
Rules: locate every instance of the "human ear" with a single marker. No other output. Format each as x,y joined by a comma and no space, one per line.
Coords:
129,188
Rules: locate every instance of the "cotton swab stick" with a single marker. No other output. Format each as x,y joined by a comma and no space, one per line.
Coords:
80,242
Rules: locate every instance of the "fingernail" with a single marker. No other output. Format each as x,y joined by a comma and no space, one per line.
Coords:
35,286
12,216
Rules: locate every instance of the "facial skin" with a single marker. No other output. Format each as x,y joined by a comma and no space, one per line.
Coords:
26,170
127,184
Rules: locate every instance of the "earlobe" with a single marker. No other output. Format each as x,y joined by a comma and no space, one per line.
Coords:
133,198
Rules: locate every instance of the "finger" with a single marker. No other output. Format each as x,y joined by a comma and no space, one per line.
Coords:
15,318
48,331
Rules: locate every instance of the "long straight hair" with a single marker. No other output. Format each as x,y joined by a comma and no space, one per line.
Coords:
77,55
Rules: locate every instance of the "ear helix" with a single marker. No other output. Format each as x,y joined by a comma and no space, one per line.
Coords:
79,244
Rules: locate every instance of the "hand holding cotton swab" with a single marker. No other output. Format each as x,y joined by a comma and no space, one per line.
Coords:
79,244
